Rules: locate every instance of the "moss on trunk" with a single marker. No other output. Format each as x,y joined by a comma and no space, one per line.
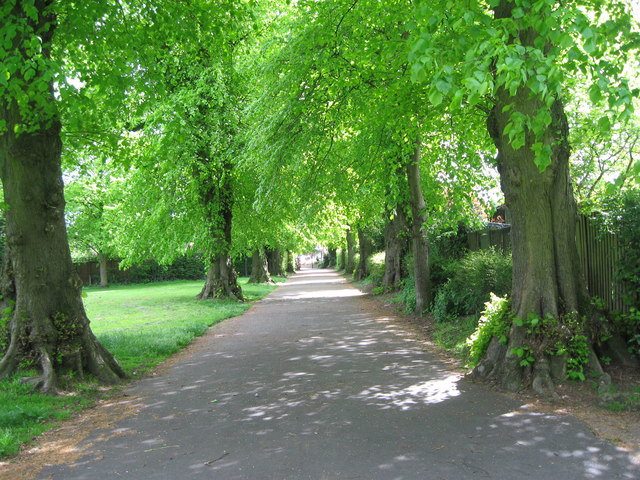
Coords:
49,326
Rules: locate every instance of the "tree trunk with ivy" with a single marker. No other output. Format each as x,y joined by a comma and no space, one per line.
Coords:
547,281
217,198
259,267
48,327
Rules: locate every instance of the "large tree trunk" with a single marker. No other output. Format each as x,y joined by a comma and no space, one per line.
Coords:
104,272
419,243
222,280
274,257
49,327
291,262
333,257
259,267
217,199
365,247
351,252
396,246
546,272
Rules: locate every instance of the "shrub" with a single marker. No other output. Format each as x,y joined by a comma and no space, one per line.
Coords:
339,254
408,294
375,266
495,321
475,276
183,268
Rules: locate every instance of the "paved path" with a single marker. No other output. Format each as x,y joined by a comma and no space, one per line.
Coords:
312,383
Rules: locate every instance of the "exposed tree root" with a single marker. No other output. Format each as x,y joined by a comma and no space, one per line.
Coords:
221,282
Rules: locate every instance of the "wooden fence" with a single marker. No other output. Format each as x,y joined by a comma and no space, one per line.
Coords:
599,253
497,236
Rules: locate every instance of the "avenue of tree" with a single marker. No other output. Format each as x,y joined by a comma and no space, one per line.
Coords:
261,128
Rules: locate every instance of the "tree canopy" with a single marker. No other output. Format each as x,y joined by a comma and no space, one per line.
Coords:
226,128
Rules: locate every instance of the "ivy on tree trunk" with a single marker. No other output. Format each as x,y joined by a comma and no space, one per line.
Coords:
216,194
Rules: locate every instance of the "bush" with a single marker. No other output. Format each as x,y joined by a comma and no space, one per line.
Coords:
472,280
408,294
183,268
375,267
495,321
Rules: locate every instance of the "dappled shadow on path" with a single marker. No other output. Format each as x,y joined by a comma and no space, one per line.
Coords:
323,388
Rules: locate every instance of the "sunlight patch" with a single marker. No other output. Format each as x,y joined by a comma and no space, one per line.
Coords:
425,393
345,292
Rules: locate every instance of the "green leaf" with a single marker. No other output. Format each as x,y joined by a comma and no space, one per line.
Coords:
590,46
29,73
418,73
443,86
587,33
604,124
543,155
595,94
435,97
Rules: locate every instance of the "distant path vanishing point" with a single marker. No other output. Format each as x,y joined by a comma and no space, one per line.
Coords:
312,383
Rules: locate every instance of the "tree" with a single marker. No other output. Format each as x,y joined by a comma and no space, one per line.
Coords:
49,325
259,267
510,61
185,184
89,198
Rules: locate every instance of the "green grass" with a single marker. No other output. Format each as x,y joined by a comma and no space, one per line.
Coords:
141,325
452,335
145,324
623,401
24,414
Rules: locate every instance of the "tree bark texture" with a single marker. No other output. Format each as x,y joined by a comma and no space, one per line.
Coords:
259,267
366,249
104,272
396,246
274,256
221,281
349,264
330,258
49,325
291,262
546,272
217,197
419,243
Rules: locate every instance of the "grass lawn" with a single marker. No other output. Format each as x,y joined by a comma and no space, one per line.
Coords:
141,325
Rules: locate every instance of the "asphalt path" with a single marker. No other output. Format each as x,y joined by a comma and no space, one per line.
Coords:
314,382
